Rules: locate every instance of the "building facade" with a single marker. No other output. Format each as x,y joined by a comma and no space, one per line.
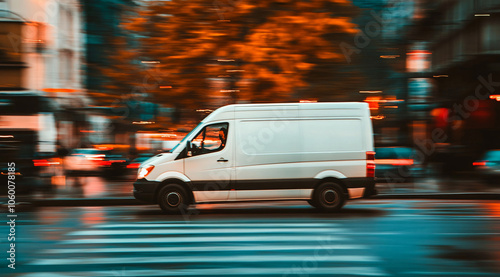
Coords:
50,44
462,37
101,25
41,51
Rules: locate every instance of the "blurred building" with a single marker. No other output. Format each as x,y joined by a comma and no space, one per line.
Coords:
462,36
41,52
102,20
102,26
49,44
382,50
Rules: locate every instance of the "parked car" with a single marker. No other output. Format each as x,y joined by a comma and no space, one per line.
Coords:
396,164
135,164
84,161
21,169
488,167
319,152
113,164
28,174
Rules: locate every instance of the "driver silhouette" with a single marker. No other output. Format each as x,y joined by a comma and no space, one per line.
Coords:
223,138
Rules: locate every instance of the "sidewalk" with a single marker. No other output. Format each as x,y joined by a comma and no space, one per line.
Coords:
462,187
96,191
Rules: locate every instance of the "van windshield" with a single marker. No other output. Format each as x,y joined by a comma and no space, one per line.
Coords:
183,141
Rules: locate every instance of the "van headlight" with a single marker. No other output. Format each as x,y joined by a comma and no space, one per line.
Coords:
144,171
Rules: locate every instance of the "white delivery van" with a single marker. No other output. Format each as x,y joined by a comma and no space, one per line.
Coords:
319,152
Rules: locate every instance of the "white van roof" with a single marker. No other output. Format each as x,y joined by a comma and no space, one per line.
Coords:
285,109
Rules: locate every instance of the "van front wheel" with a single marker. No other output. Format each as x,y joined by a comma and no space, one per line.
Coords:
329,197
173,199
312,203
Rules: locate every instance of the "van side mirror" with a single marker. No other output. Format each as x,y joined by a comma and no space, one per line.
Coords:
189,148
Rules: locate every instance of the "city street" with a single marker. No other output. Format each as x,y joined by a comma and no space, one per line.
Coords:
95,187
367,238
118,116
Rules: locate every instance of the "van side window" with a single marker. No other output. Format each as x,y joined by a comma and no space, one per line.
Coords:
211,139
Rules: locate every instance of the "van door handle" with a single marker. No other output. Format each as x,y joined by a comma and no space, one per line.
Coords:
222,160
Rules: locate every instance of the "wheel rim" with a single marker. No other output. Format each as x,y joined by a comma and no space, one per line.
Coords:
330,196
174,199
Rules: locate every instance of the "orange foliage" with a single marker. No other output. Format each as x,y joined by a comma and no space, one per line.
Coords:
258,50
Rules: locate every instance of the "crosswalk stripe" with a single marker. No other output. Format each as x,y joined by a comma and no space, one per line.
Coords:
234,249
440,273
238,239
278,271
266,248
189,224
206,259
201,231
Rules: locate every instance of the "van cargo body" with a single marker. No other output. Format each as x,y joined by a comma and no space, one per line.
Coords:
319,152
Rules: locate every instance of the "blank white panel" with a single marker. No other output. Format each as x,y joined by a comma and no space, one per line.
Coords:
331,135
261,137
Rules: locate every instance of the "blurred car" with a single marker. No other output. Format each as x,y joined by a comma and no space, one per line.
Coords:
134,165
396,164
488,167
28,173
84,161
113,164
12,164
94,162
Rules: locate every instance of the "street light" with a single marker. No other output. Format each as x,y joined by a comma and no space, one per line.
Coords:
370,91
389,56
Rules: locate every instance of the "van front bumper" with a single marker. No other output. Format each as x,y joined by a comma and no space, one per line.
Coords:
145,190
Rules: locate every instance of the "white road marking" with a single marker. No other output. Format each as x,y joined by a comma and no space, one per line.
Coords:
190,224
240,271
202,231
237,239
440,273
266,247
206,259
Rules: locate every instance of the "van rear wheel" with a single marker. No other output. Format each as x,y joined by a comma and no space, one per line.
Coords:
173,199
329,197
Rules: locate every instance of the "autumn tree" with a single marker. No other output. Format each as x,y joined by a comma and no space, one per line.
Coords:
191,53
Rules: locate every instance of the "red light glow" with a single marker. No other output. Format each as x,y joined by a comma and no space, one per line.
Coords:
495,96
134,165
41,163
396,162
370,164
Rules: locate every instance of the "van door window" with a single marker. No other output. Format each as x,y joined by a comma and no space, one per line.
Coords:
211,139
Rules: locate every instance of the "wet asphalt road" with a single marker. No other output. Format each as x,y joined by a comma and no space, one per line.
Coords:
368,238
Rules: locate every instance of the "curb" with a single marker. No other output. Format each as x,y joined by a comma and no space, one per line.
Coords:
86,202
80,202
442,196
116,201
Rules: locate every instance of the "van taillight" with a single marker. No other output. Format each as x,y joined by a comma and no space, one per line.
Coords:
370,164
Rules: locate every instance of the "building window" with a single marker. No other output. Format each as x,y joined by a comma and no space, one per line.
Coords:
66,67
